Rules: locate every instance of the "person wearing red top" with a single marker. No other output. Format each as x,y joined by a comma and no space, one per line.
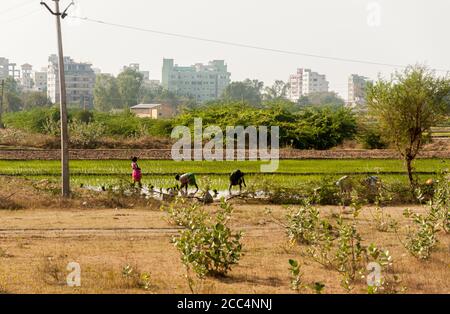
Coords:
137,174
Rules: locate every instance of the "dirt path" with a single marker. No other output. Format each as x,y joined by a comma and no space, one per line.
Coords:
108,232
165,154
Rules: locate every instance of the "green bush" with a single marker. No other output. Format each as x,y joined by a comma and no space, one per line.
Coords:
122,124
422,238
336,247
372,139
208,245
327,192
32,120
310,128
84,116
85,135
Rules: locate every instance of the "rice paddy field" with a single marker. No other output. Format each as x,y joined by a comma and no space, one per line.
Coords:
160,173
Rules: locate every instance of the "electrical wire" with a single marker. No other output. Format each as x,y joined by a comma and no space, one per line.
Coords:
242,45
20,16
22,4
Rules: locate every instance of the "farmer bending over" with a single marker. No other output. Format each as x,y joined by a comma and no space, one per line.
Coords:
237,178
187,179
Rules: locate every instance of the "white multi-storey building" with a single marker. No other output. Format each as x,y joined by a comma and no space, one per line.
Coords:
26,79
203,82
305,82
357,86
40,80
296,85
4,68
80,80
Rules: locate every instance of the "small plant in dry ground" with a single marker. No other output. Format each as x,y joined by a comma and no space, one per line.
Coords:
53,269
421,238
207,244
136,278
337,246
297,283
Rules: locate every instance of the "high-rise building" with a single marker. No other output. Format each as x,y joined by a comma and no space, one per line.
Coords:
4,68
203,82
40,80
305,82
80,80
26,79
357,86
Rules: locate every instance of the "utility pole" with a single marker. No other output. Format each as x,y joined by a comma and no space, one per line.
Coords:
1,105
63,105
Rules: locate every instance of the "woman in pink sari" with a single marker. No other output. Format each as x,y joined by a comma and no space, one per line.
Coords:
137,174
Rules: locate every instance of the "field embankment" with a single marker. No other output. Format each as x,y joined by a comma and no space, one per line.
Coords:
165,154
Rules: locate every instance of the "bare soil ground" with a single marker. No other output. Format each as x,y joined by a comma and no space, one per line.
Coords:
36,245
40,235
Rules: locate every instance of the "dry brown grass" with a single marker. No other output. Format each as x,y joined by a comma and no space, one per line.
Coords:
44,233
22,193
103,241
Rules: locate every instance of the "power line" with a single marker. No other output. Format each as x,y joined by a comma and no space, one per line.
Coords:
21,16
242,45
22,4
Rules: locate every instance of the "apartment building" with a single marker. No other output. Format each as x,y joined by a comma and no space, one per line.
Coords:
305,82
40,80
204,82
26,78
4,68
80,80
357,86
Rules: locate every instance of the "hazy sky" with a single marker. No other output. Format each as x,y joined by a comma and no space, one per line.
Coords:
405,32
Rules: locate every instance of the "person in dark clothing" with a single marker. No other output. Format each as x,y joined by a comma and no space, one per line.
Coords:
237,178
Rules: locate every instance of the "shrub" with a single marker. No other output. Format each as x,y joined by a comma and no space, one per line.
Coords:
421,239
372,139
123,124
441,200
51,127
311,128
32,120
136,278
209,246
52,269
276,194
85,135
296,275
302,224
327,192
84,116
337,247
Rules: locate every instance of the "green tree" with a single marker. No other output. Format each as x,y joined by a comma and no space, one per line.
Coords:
321,99
406,107
323,128
12,100
35,99
129,83
106,93
278,90
249,91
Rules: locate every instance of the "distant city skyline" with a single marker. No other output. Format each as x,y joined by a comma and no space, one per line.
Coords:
395,32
